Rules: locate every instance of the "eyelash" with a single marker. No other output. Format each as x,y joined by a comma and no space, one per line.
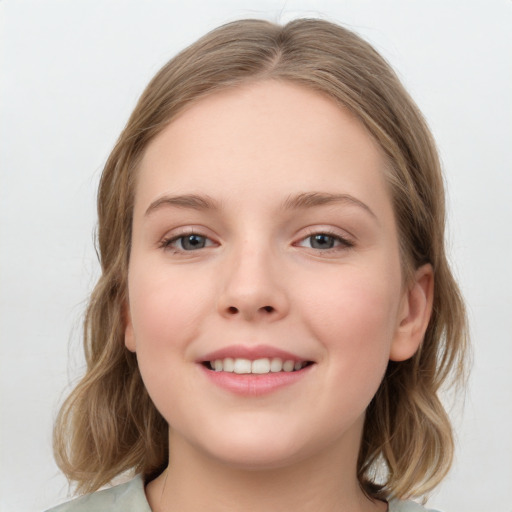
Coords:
343,242
166,243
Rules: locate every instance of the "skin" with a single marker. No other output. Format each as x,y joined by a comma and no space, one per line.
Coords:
262,279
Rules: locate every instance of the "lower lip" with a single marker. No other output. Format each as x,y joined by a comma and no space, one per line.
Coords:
250,384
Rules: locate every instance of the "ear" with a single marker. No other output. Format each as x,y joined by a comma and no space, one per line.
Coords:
414,315
129,338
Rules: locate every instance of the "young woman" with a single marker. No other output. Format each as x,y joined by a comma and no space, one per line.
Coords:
275,314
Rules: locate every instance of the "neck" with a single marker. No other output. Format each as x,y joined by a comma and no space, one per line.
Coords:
194,481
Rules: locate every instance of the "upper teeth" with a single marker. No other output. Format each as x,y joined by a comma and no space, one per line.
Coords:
259,366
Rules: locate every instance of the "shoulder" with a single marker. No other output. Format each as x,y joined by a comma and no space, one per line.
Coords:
128,497
407,506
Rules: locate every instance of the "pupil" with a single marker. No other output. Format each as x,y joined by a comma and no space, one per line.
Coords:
322,242
192,242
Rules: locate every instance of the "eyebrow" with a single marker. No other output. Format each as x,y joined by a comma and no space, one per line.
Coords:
312,199
296,202
192,201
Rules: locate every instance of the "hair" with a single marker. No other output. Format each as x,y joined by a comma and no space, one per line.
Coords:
109,425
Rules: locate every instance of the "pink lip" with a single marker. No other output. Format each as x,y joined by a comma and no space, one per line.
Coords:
254,385
250,352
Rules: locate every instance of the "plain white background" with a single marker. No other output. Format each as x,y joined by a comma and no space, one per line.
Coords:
71,72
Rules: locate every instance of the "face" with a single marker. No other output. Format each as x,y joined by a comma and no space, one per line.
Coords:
265,286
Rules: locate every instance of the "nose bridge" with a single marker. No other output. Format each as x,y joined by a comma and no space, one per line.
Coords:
251,285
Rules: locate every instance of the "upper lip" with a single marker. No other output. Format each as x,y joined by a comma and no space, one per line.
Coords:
252,353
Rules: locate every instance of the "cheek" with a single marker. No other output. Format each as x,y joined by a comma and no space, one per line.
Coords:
163,308
165,315
357,302
355,321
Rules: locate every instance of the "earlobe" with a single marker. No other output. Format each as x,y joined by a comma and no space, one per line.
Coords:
415,315
129,338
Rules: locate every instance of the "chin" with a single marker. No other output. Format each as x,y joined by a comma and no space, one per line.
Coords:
258,448
258,458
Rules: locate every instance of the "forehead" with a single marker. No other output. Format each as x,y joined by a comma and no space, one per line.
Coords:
266,137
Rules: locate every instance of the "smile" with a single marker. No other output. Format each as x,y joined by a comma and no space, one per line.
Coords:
257,366
254,370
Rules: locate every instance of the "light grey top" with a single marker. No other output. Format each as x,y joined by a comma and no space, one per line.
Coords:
130,497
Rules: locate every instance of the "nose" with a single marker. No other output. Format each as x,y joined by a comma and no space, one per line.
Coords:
253,287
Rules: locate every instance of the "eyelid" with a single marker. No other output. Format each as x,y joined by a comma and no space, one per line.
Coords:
174,235
346,241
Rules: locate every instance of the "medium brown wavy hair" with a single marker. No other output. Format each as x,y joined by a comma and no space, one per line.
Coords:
109,425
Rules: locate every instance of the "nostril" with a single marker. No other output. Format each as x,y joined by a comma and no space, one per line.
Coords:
233,310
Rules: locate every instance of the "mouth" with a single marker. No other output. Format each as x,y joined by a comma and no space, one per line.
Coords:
252,371
261,366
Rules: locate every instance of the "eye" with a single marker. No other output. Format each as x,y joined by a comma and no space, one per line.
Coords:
187,242
325,241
